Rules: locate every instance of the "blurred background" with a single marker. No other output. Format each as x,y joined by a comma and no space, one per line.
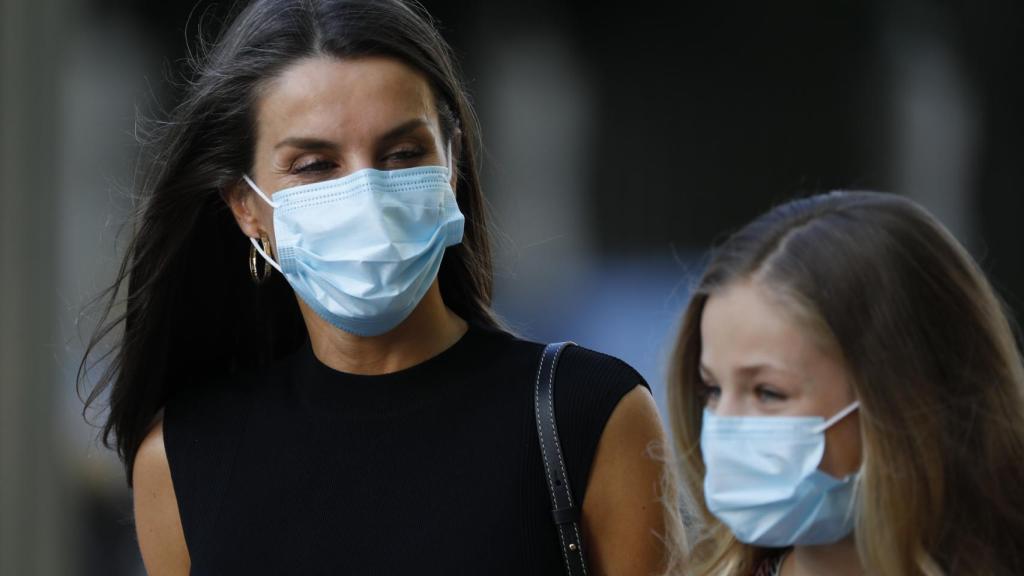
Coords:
621,144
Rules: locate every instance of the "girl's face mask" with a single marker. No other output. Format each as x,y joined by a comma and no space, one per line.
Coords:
763,480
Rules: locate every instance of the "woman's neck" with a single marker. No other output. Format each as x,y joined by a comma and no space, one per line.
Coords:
839,559
430,329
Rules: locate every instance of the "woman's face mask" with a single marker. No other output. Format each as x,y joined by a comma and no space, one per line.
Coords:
359,194
362,250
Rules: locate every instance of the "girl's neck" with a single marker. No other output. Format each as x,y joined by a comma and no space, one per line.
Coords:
839,559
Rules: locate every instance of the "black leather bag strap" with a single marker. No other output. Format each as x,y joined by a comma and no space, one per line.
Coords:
564,510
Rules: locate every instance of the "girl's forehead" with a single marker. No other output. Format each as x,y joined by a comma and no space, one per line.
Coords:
748,332
742,325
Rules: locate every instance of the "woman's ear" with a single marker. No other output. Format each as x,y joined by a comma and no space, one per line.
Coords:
239,198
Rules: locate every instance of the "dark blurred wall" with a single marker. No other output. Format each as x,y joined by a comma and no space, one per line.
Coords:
702,115
620,145
709,113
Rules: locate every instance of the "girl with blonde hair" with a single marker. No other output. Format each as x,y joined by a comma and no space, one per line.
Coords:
847,397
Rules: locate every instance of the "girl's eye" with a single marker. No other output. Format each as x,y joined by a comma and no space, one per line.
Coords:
766,394
709,393
313,167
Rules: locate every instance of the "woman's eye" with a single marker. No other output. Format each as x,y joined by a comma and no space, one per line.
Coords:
313,167
404,155
766,394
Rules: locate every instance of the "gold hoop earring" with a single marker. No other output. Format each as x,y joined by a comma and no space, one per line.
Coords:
254,258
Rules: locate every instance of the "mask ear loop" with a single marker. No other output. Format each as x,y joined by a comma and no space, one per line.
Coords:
272,204
451,161
258,191
839,416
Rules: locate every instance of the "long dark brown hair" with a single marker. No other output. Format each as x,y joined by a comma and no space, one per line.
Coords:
935,365
191,313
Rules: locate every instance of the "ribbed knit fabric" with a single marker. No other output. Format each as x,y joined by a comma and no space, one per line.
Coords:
434,469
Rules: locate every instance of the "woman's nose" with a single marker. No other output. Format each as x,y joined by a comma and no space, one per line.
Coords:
358,160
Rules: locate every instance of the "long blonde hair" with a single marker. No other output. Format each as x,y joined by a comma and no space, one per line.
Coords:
936,369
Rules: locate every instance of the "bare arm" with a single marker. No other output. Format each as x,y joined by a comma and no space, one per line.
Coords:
157,522
624,520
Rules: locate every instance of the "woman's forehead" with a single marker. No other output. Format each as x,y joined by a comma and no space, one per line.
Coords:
343,99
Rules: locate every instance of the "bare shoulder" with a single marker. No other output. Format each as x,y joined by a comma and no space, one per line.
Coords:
624,513
157,522
635,418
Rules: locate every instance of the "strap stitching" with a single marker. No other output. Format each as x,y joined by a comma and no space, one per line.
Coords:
554,429
555,353
583,565
561,461
543,453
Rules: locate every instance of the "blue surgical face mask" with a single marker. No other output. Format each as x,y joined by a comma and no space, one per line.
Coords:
363,250
763,481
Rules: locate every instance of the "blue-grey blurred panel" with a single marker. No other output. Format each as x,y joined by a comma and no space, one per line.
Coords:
33,506
628,307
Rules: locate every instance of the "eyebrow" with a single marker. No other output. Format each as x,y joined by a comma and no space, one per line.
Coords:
304,143
747,370
404,129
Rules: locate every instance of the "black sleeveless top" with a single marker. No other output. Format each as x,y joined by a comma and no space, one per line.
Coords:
434,469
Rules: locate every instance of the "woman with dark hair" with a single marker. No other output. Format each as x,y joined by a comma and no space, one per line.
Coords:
847,397
329,391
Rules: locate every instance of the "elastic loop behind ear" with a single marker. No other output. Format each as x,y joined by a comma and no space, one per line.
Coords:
258,191
839,416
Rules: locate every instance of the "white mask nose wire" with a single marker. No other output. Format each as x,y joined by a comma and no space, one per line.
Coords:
258,191
839,416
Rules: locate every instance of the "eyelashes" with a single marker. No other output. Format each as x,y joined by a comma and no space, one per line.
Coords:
399,158
313,167
764,394
405,154
708,392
